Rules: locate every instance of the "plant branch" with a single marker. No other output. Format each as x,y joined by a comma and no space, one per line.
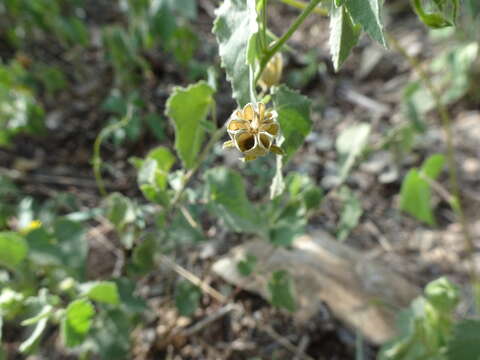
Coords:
97,159
284,38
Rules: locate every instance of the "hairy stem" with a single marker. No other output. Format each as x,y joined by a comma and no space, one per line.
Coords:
288,34
456,202
97,159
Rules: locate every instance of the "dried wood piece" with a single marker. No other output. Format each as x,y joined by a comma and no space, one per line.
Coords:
359,291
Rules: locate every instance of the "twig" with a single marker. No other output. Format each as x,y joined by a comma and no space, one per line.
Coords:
224,310
206,288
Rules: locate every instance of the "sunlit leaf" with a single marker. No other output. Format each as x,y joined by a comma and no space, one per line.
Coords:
41,321
343,35
101,291
77,322
188,107
234,25
368,14
350,144
415,194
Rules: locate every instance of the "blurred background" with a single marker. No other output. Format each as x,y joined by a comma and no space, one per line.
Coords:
71,68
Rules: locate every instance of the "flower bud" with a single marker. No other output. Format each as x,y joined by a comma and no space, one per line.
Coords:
272,73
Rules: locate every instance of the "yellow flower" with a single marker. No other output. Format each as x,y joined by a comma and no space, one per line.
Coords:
35,224
253,130
272,73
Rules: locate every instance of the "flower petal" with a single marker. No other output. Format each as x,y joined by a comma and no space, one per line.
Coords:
235,125
271,128
245,141
261,110
248,112
265,140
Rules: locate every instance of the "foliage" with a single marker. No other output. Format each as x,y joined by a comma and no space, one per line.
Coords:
44,251
428,328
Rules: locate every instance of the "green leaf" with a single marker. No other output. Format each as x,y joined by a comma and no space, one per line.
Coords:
42,248
188,107
294,118
13,249
443,295
351,213
120,210
280,287
465,343
350,144
246,266
416,193
368,14
433,166
445,17
77,321
343,35
143,254
70,236
41,320
101,291
187,298
234,27
111,334
415,197
228,200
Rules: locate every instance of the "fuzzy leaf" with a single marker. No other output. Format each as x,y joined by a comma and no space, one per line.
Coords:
465,344
415,197
368,14
343,35
350,144
280,287
294,118
234,27
415,193
13,249
101,291
77,321
188,108
228,200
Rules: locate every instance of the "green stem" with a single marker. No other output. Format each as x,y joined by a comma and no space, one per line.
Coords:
302,5
288,34
456,202
97,159
264,23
